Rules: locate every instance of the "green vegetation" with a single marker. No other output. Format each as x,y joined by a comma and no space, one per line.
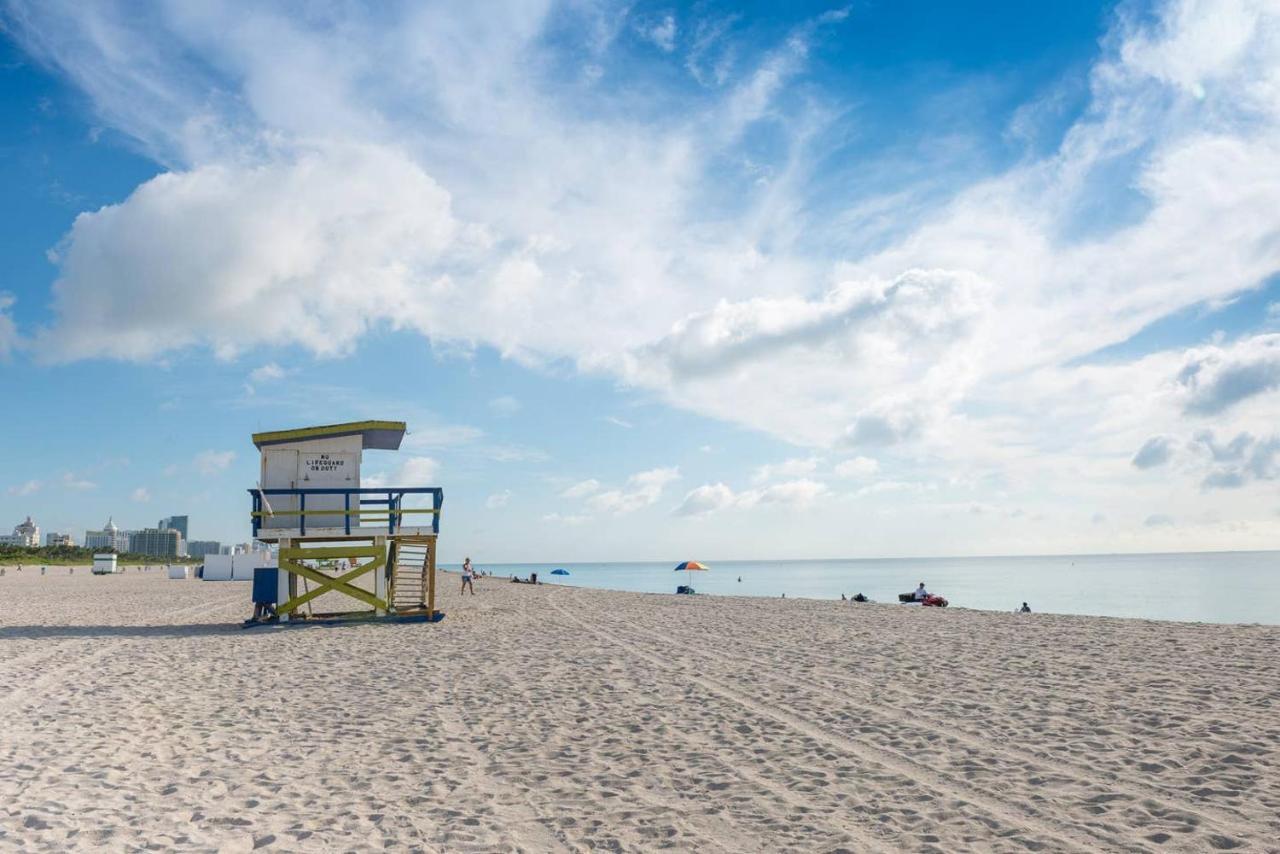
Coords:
76,556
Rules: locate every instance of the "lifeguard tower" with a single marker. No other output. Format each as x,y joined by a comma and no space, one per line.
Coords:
368,544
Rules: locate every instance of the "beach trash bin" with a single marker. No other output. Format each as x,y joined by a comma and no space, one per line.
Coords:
265,579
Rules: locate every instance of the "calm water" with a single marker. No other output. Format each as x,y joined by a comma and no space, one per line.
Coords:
1215,587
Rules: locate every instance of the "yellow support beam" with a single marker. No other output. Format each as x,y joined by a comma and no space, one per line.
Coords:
431,581
338,584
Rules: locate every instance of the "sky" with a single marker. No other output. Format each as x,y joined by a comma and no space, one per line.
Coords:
654,281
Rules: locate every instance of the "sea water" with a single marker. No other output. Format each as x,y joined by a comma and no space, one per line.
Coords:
1213,587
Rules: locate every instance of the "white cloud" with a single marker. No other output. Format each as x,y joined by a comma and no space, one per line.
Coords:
74,481
213,462
643,489
857,467
269,372
661,32
8,329
863,363
28,488
504,406
418,471
711,498
498,499
141,495
1215,378
796,493
1236,463
412,471
619,422
581,489
706,499
793,468
353,230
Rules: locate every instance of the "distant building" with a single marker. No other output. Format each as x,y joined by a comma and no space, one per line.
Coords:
200,548
110,537
26,533
52,539
178,523
155,541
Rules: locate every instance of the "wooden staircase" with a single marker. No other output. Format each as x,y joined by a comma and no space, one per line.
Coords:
409,570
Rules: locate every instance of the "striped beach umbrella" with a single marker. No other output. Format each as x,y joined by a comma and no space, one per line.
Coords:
691,566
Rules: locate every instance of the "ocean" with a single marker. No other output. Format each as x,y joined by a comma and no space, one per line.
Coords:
1210,587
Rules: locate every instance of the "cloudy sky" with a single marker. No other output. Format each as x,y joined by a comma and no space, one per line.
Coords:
654,280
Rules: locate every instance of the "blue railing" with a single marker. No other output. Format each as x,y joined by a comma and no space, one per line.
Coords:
384,503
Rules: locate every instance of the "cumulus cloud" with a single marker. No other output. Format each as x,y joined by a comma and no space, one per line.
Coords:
581,489
1215,378
710,498
498,499
213,462
643,489
141,495
793,468
354,231
29,487
412,471
706,499
1156,451
1242,460
269,372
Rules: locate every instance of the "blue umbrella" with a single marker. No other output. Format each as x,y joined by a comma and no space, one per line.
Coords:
559,572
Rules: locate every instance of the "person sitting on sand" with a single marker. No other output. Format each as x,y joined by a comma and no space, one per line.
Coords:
1025,609
921,594
843,598
468,576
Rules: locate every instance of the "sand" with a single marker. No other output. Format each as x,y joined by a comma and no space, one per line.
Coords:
136,714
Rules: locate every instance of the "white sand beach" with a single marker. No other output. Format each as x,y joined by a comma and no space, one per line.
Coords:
138,714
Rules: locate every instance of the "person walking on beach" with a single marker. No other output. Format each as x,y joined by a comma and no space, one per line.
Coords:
468,577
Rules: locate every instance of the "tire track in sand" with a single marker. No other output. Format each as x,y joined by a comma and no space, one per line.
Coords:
110,645
1063,831
1228,822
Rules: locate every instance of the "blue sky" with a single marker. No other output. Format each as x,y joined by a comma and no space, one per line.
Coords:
654,281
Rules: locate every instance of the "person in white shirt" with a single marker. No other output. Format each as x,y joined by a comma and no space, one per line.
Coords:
921,593
468,574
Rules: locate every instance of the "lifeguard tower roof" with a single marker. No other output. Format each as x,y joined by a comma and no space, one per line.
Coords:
376,435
